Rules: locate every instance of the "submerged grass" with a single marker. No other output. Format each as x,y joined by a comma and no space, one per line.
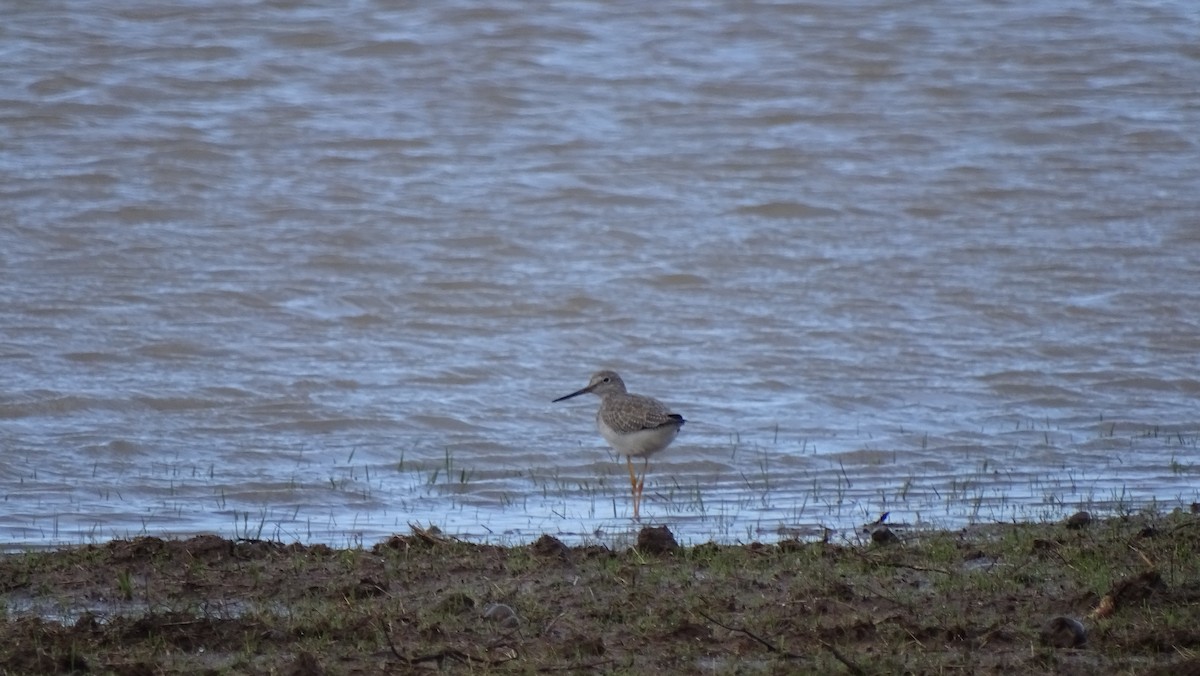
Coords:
1120,596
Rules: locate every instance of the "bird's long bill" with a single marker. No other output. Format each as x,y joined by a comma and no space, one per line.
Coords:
573,394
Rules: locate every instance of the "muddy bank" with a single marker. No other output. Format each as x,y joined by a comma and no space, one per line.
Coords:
1109,596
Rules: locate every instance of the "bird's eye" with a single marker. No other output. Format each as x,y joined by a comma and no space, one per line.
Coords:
607,379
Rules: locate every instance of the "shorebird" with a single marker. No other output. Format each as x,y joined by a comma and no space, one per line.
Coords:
636,426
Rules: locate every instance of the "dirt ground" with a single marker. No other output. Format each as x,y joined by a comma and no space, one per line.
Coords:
1116,596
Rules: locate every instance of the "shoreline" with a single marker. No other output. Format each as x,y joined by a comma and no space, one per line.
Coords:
1116,595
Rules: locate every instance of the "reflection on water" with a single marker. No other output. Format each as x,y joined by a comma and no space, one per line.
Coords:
294,273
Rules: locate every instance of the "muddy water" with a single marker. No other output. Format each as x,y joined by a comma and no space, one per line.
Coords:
281,270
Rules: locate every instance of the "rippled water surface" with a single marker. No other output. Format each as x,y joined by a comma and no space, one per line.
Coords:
304,272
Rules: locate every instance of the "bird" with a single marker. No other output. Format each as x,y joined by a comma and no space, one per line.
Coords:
635,425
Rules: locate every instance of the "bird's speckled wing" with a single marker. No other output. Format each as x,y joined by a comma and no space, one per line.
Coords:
628,413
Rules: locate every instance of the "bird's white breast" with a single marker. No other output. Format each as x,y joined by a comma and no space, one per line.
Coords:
640,443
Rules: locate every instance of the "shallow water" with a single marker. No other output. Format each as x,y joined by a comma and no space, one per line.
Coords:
277,270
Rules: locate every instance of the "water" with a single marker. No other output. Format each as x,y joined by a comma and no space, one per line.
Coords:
291,271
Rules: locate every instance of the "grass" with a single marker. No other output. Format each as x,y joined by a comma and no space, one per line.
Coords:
759,482
967,601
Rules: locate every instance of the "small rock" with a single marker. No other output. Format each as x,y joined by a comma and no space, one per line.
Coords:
550,546
656,540
1063,632
1079,520
884,536
503,614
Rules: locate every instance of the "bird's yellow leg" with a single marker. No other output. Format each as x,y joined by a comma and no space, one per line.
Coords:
639,487
633,485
